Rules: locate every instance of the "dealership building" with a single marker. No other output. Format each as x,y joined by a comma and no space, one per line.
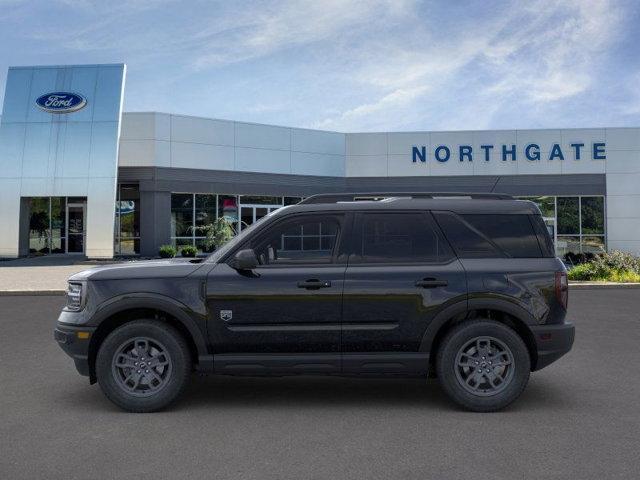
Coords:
80,176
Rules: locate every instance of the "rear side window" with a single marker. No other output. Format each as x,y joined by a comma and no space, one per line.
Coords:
514,234
491,235
466,241
544,236
400,237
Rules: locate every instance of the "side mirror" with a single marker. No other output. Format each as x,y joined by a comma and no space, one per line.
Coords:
244,260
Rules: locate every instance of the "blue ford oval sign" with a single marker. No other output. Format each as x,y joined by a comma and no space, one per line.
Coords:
61,102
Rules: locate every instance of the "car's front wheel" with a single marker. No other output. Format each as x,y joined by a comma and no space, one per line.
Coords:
483,365
143,366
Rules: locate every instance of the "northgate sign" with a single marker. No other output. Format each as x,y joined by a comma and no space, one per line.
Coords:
531,152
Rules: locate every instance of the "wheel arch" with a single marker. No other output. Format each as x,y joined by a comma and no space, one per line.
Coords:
501,310
119,311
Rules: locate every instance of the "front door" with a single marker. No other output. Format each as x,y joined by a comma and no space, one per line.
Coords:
75,227
401,273
286,314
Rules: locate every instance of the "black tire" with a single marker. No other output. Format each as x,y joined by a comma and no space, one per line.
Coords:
458,351
124,385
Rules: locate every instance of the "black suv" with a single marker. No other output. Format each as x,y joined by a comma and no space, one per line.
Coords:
465,287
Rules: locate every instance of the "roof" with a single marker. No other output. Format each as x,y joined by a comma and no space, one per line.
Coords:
455,202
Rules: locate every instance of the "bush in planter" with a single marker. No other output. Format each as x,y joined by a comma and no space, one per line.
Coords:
188,251
614,266
167,251
578,258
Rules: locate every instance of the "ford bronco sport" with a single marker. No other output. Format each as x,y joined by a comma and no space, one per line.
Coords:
465,287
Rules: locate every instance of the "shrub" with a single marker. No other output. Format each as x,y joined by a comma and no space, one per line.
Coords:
167,251
614,266
188,251
578,258
617,260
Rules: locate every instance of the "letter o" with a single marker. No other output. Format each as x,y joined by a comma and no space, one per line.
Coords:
446,151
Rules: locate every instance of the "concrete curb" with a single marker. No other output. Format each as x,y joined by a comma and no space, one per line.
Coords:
601,285
23,293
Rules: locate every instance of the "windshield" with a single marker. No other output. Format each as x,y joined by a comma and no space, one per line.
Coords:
238,239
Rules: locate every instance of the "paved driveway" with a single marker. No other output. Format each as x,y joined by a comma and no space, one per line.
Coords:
580,418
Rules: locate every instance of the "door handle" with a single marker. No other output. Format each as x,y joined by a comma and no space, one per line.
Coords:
314,284
431,283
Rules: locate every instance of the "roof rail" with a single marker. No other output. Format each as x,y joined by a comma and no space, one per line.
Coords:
363,196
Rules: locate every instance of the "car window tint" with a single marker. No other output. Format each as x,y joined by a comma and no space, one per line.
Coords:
467,242
514,234
398,237
309,239
544,236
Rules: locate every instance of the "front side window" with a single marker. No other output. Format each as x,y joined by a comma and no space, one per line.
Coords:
307,239
400,237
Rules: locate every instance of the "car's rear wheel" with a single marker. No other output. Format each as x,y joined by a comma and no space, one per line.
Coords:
143,365
483,365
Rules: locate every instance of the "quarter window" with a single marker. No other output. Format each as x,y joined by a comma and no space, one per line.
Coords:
514,234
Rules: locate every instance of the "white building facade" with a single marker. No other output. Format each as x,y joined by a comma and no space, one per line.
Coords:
106,183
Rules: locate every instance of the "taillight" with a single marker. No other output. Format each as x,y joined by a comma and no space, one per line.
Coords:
562,289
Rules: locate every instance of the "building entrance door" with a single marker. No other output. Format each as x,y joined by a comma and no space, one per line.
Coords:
76,230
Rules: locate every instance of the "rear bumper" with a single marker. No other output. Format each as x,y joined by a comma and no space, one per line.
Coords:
75,343
552,342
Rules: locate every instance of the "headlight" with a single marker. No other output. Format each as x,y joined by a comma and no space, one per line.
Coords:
74,297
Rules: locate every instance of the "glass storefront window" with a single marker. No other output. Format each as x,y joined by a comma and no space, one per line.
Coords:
580,222
48,228
592,215
568,216
127,226
181,214
39,225
567,244
228,208
292,200
205,210
593,244
260,200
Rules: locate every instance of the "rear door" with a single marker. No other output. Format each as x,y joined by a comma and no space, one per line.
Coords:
401,273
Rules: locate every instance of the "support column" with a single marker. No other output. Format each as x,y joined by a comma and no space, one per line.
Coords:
155,221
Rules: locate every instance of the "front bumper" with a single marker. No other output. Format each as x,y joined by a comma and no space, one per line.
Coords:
552,342
75,343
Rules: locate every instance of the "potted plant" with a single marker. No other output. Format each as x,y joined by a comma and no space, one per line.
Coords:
167,251
188,251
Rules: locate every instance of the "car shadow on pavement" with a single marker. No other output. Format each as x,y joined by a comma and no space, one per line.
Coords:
334,392
320,392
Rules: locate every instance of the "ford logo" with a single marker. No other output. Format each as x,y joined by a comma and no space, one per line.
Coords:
61,102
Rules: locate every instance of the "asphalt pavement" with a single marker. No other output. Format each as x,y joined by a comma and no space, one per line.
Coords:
578,418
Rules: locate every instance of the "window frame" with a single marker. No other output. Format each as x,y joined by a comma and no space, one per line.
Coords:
355,258
337,255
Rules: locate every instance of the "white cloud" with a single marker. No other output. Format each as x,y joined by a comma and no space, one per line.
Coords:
348,64
533,54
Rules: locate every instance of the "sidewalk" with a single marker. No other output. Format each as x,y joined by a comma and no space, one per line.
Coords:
38,276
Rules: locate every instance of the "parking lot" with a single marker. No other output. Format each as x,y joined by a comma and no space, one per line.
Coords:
579,418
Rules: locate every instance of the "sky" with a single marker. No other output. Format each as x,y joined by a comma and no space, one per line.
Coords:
349,65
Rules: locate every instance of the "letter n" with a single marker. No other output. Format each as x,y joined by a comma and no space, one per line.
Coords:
420,153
